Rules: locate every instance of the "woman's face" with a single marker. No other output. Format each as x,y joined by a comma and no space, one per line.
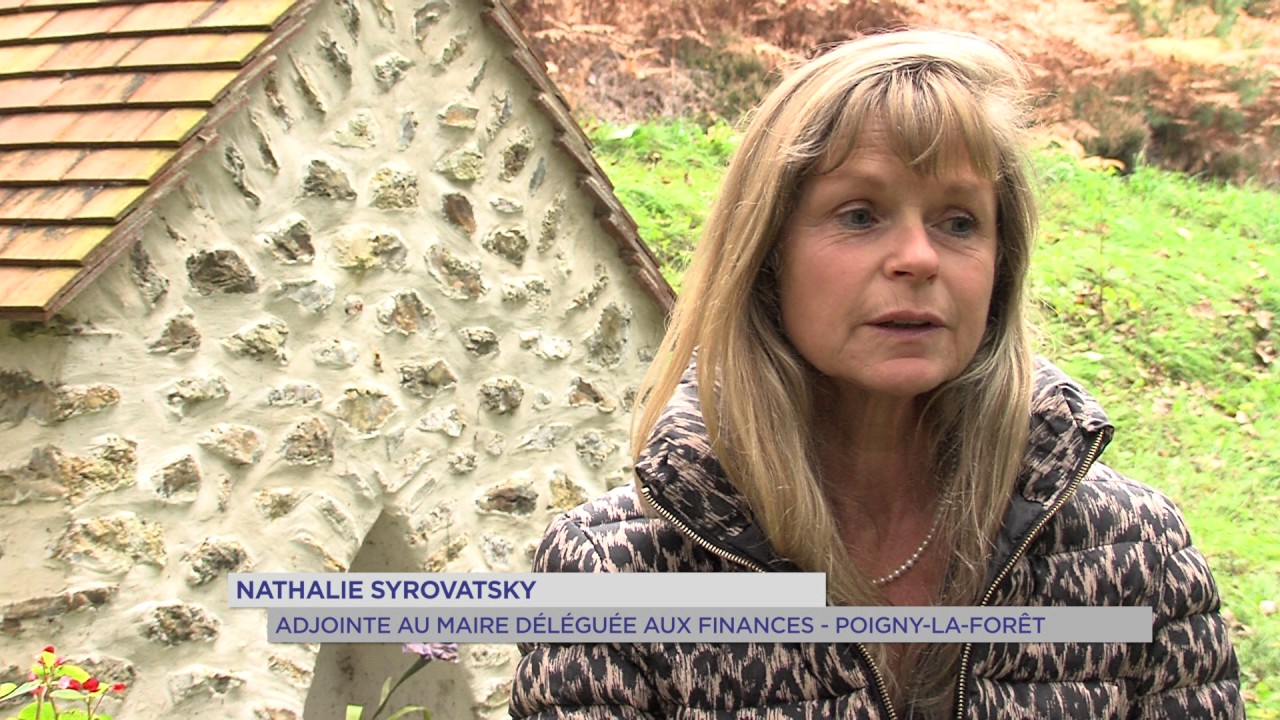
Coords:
886,275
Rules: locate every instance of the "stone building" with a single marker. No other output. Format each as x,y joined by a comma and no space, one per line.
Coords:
292,286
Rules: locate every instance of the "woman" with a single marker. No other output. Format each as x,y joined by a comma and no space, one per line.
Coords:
847,386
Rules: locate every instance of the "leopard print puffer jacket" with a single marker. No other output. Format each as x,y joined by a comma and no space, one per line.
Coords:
1076,533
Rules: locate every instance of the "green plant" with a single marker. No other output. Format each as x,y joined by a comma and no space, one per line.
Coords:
54,681
427,653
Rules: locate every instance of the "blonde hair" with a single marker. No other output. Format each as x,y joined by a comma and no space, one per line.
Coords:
934,93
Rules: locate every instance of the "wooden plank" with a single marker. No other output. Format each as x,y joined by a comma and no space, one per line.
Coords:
22,25
36,167
152,127
50,246
80,22
67,204
26,291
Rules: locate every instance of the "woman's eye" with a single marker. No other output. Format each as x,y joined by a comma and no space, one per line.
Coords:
857,218
960,225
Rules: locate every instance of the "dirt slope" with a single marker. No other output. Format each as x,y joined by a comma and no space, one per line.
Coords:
1184,93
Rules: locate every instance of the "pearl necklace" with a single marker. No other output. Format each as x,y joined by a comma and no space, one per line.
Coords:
911,561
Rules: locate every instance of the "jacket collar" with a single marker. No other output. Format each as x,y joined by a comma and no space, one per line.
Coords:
682,475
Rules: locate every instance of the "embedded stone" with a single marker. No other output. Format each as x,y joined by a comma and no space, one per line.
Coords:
617,480
352,305
594,447
335,54
462,462
112,464
479,341
261,340
506,205
179,481
547,347
233,161
520,290
589,296
543,438
501,395
542,400
440,559
464,165
512,497
458,279
113,543
179,337
608,341
117,669
267,155
479,76
509,244
295,394
33,481
425,381
309,443
494,443
212,559
335,353
459,115
360,248
67,401
365,410
583,392
390,68
90,596
427,15
237,444
271,88
394,188
178,622
501,114
408,129
296,674
275,503
200,681
551,221
629,396
516,155
305,81
457,208
187,394
289,240
496,551
314,296
326,181
539,176
565,493
144,275
448,421
405,313
452,50
268,712
221,271
491,656
350,16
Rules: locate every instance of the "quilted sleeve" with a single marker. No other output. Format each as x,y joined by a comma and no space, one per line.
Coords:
587,682
1192,670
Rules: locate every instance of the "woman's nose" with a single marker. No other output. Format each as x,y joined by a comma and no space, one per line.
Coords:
912,254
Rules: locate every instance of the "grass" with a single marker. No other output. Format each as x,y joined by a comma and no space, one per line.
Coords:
1157,291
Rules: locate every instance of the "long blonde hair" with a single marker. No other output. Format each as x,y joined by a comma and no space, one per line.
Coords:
935,93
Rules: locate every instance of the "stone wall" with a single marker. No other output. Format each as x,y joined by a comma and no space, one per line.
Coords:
375,326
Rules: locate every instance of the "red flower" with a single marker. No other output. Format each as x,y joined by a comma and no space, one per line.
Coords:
49,649
118,687
91,684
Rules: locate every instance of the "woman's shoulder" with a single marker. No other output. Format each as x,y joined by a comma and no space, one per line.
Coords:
1110,508
614,534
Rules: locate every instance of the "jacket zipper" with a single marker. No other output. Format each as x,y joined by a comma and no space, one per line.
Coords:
881,686
967,652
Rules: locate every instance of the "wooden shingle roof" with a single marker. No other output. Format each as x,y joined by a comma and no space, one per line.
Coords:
101,104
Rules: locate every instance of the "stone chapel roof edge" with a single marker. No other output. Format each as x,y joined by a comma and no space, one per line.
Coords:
103,103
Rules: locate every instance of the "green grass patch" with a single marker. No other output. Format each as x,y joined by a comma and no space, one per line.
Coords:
1157,291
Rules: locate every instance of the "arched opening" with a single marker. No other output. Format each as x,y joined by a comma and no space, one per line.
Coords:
355,673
